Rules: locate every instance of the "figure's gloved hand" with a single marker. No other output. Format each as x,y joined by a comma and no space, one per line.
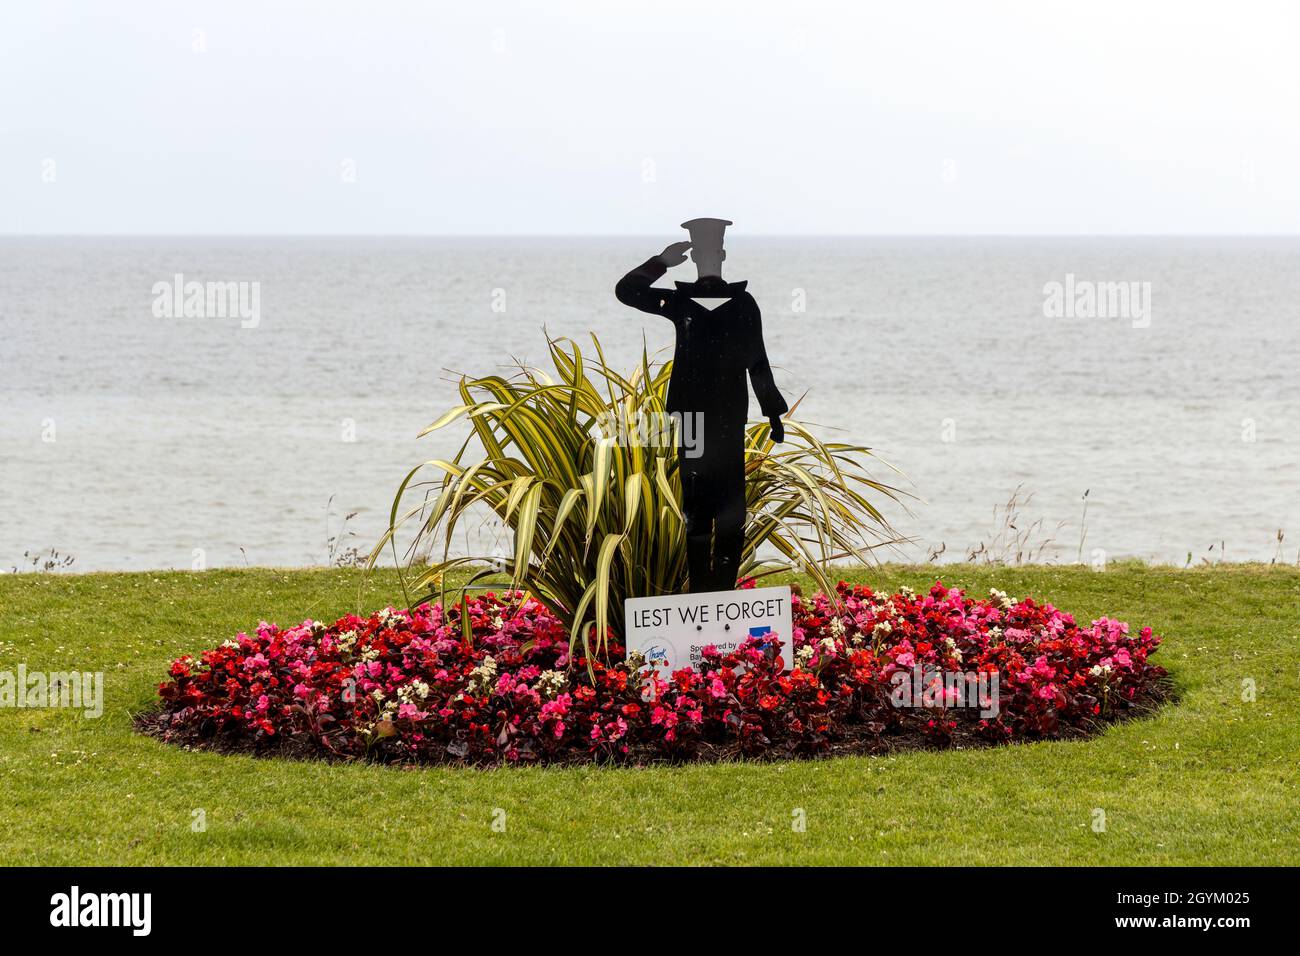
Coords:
674,254
778,429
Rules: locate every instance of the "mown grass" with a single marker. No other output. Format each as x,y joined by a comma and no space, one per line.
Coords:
1210,779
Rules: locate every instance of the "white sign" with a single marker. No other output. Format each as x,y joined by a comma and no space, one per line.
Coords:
671,631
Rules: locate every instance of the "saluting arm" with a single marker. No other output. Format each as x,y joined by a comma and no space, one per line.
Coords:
636,288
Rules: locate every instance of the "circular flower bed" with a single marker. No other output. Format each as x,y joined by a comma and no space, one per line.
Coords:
870,673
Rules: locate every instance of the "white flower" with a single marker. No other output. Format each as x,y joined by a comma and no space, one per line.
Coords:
550,683
417,688
483,676
803,655
837,627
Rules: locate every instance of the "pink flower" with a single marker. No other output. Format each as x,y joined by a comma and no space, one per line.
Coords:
506,683
1043,669
557,707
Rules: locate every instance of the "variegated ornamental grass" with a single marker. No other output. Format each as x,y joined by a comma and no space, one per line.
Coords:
592,496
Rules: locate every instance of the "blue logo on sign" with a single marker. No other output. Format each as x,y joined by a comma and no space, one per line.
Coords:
759,632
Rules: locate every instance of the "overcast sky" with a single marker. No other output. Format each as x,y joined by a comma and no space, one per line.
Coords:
790,117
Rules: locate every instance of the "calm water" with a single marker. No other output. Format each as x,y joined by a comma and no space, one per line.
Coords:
129,440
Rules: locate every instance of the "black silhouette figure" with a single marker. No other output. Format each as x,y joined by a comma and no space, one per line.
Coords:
719,340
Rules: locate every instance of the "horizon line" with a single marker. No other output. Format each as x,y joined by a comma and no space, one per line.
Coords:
641,235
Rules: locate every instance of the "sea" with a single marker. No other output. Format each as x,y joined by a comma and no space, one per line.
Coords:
1038,398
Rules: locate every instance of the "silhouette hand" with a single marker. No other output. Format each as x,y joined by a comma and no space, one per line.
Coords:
674,254
778,429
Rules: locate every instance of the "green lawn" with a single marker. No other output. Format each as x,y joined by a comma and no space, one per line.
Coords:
1211,779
